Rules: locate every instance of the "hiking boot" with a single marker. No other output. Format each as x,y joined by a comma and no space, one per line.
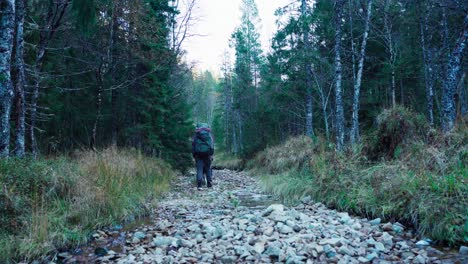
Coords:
209,185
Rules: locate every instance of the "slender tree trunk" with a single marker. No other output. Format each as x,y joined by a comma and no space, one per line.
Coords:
391,51
98,107
307,71
20,79
357,85
353,45
114,92
52,20
450,84
35,96
7,25
338,75
428,70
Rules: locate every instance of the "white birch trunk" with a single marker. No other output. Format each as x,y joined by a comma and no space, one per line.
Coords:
7,24
20,80
357,85
338,75
307,72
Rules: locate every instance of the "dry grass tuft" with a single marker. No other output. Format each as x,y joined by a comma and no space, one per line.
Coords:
227,161
293,154
45,204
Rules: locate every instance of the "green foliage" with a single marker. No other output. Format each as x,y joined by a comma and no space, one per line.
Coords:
120,51
85,15
49,204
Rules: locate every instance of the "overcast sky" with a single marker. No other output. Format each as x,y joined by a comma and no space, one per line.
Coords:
217,20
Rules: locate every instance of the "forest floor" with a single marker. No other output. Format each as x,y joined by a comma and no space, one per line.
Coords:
234,222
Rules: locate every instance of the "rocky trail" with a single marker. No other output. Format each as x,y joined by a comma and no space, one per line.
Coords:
235,223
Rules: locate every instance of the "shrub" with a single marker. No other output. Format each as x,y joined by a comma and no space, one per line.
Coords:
294,153
395,127
223,160
51,203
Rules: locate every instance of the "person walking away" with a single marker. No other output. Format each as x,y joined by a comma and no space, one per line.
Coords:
202,151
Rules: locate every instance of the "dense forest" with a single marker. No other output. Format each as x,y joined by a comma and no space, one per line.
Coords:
89,74
334,65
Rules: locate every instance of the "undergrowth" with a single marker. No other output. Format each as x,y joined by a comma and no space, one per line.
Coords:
223,160
417,177
47,204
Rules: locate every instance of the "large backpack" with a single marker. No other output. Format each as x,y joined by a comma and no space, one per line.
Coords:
203,142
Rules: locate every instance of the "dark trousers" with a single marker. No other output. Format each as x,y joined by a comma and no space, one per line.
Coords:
203,166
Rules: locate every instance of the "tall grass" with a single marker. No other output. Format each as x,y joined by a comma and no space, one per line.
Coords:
50,203
421,181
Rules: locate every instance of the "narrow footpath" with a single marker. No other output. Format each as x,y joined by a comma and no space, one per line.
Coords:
235,223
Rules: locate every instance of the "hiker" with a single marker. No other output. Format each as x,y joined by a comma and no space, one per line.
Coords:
202,151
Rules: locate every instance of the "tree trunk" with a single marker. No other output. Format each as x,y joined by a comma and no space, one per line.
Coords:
98,106
114,92
19,81
7,25
428,70
338,76
391,51
450,84
52,20
307,71
357,85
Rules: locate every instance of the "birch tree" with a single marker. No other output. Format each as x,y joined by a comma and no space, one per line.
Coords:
7,25
19,79
339,111
307,69
354,133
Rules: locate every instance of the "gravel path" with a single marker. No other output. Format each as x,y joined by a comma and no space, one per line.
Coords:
235,223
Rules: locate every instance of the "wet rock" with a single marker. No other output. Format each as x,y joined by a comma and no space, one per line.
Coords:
345,251
162,241
277,208
272,251
139,250
398,228
259,247
268,231
184,243
372,256
329,251
463,250
379,246
422,243
387,227
228,259
336,242
284,229
306,200
375,221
